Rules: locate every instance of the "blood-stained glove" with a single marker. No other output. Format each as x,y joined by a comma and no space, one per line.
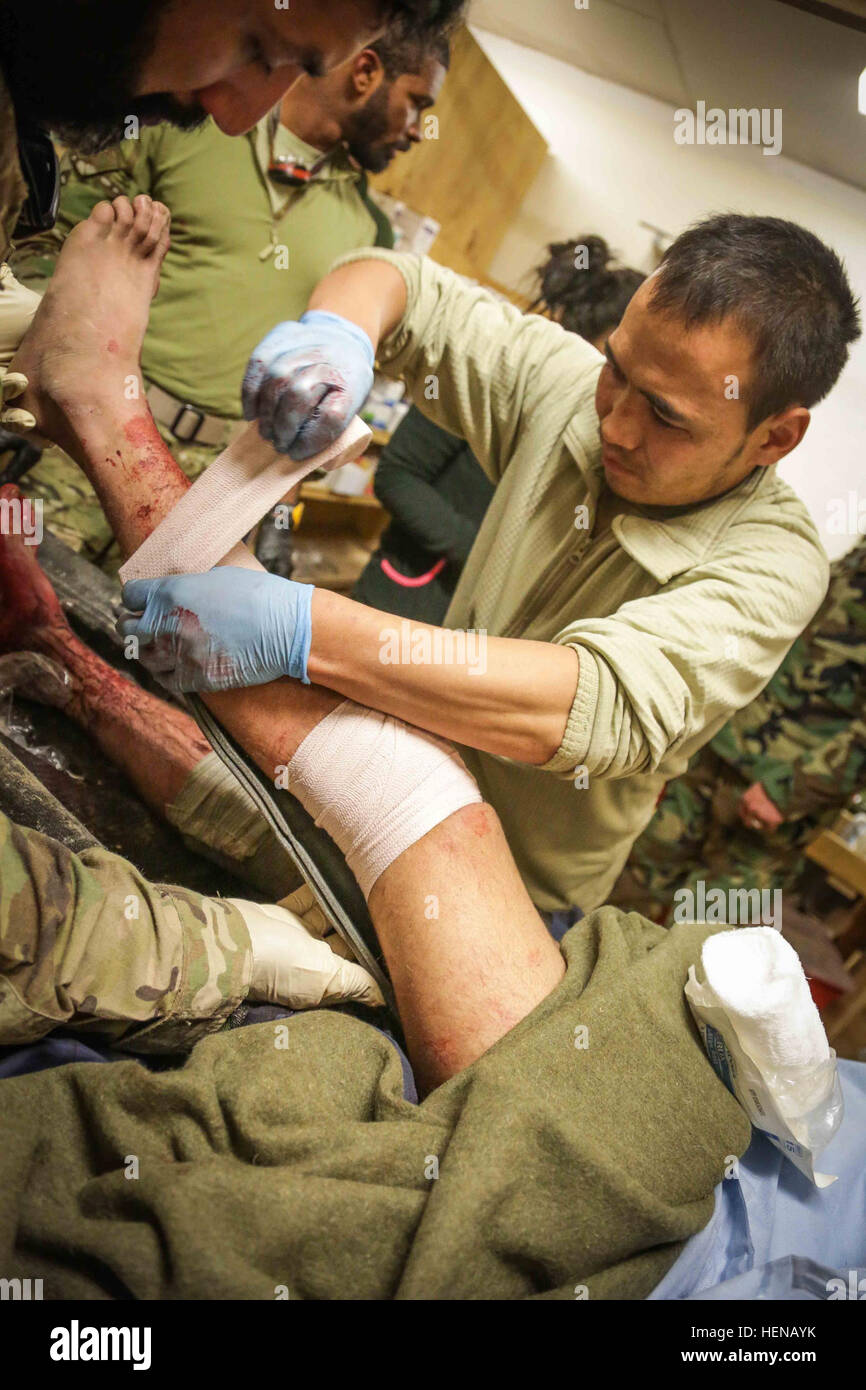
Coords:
220,630
306,380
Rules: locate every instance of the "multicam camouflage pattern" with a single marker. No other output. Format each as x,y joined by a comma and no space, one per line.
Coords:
803,739
87,943
13,189
84,181
72,510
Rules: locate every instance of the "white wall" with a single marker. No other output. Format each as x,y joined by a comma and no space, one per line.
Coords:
614,163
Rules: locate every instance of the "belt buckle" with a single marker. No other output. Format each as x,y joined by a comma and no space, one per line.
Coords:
173,427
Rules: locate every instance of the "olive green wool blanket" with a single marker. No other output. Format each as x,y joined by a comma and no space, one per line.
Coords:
579,1153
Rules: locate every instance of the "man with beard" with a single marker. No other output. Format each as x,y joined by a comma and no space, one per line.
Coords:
257,223
389,122
83,69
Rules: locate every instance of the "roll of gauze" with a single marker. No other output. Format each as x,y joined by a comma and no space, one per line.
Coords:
758,979
230,497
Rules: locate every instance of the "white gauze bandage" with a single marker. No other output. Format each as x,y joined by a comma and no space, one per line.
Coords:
376,785
205,527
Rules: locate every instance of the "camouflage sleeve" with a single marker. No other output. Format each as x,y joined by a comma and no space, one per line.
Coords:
761,736
85,181
823,780
803,738
87,943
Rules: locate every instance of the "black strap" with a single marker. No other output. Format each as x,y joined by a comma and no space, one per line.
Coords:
318,859
41,170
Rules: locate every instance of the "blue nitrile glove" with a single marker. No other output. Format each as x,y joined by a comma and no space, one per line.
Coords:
216,631
306,380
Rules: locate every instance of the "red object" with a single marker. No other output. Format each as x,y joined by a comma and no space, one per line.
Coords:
405,580
289,171
823,994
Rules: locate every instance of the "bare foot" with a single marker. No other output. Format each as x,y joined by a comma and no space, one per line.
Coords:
85,341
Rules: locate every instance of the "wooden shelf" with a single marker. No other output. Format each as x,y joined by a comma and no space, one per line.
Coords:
832,853
318,492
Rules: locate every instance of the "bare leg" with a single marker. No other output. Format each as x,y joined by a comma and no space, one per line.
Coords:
155,744
462,979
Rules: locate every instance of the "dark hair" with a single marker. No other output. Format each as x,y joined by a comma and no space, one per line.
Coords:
70,65
581,287
37,43
407,45
424,20
783,286
398,55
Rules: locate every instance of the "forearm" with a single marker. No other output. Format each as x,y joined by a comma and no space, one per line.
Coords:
371,294
509,697
506,696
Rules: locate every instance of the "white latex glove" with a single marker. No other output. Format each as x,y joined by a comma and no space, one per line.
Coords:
293,968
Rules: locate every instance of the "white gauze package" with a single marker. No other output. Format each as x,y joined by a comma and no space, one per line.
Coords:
765,1039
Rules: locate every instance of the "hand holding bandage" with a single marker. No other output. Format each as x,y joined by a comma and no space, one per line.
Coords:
306,381
220,630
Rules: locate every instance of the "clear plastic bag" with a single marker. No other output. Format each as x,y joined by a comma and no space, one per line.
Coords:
798,1108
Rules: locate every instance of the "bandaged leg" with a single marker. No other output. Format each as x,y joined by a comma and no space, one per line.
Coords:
376,785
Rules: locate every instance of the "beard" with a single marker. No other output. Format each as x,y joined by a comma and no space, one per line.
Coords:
89,134
80,83
364,133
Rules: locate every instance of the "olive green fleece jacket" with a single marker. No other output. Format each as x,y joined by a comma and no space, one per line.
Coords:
679,617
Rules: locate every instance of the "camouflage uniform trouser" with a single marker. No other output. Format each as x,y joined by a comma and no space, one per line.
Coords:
87,943
72,510
696,835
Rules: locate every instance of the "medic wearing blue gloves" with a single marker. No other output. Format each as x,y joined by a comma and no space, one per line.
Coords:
637,531
251,628
218,631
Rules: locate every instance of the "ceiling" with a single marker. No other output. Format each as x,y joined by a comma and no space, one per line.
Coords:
728,53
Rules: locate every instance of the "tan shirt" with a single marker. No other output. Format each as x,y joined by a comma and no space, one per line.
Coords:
17,304
246,252
13,189
679,618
